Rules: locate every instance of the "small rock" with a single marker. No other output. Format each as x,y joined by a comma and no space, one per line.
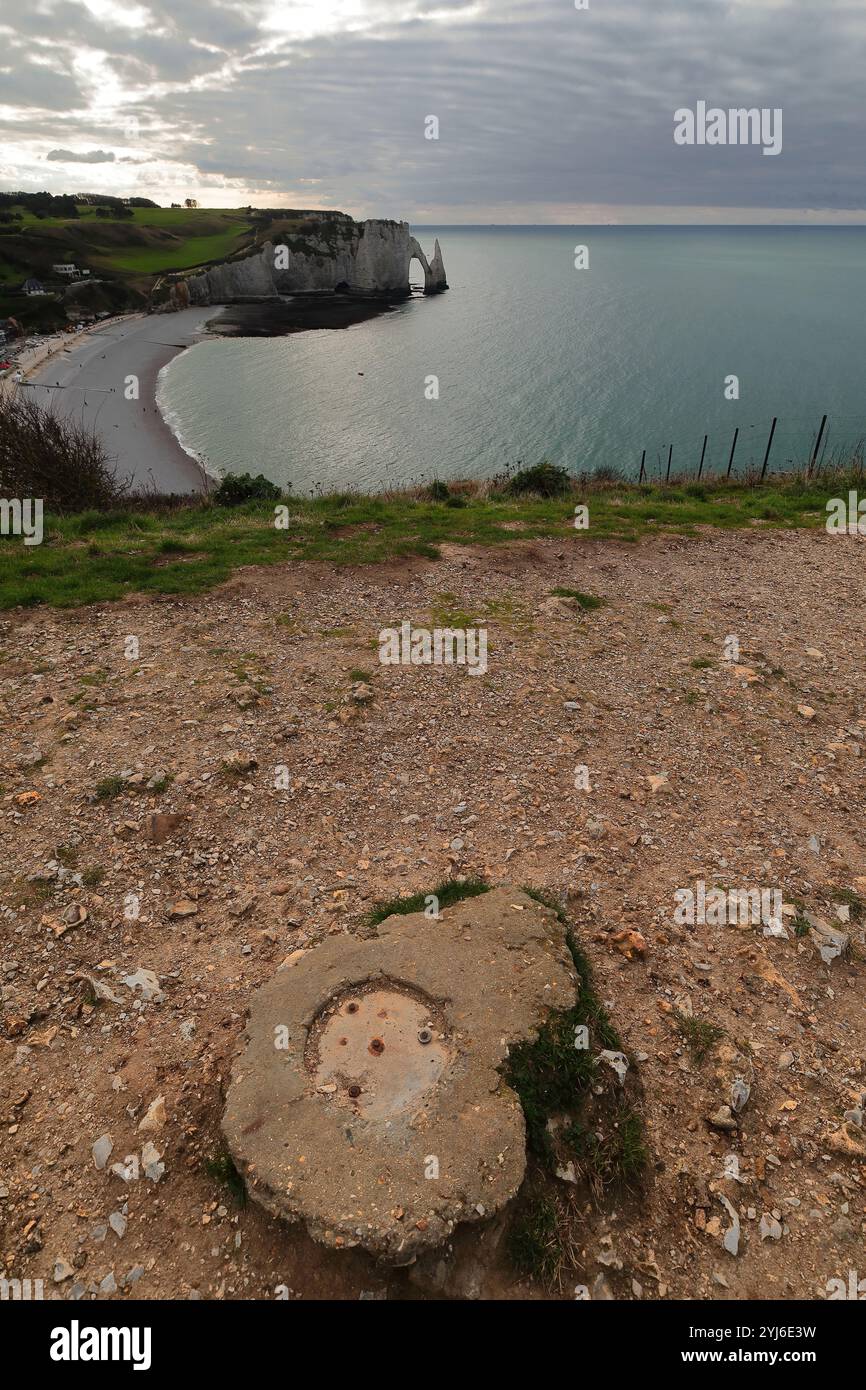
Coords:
184,907
243,903
770,1228
155,1117
117,1222
147,982
723,1119
102,1150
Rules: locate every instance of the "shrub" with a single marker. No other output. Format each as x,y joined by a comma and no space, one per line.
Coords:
53,457
547,479
236,488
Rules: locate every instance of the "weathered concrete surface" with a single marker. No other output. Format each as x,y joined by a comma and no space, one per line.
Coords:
355,1167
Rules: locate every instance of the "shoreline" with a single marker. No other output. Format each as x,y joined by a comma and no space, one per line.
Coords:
147,448
91,383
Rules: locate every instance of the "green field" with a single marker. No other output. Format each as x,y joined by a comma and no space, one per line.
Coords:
95,556
190,251
152,241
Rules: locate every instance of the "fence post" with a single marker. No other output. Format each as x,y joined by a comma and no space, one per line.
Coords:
733,447
817,445
703,451
769,446
642,462
668,474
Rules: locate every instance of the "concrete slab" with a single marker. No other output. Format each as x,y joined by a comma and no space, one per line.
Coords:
367,1101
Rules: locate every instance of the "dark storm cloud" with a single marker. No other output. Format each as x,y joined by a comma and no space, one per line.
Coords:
538,103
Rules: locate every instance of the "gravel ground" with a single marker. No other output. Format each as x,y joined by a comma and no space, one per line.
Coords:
742,774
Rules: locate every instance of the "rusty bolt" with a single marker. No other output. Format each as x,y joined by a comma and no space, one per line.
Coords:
377,1047
354,1091
425,1035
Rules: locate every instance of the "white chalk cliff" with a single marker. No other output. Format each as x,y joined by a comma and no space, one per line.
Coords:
366,258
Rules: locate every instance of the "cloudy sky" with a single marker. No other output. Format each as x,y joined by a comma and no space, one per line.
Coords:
546,113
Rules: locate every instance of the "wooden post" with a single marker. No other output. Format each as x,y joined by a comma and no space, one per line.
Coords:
668,474
817,445
733,447
703,451
769,446
642,462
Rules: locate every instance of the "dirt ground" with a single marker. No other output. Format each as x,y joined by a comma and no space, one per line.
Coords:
741,774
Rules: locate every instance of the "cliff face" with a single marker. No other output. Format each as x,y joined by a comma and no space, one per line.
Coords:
369,258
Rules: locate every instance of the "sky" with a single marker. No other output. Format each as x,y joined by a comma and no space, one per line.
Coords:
546,112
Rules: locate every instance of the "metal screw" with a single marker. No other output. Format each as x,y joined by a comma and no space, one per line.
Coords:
354,1091
425,1035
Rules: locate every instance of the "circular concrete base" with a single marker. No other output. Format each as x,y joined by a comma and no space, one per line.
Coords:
368,1101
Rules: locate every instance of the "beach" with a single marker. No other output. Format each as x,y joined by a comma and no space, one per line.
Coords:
86,377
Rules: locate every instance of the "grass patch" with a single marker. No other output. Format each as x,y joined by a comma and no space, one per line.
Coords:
109,788
448,892
586,601
220,1166
533,1242
578,1117
700,1036
22,892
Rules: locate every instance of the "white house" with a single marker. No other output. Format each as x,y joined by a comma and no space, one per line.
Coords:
66,269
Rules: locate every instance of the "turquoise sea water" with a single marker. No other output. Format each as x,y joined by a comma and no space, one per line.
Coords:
536,359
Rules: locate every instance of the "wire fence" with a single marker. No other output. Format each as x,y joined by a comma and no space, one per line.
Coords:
761,449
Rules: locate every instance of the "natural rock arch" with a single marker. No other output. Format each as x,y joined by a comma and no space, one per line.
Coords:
434,271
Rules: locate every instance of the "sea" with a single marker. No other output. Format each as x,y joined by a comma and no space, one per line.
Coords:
595,348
